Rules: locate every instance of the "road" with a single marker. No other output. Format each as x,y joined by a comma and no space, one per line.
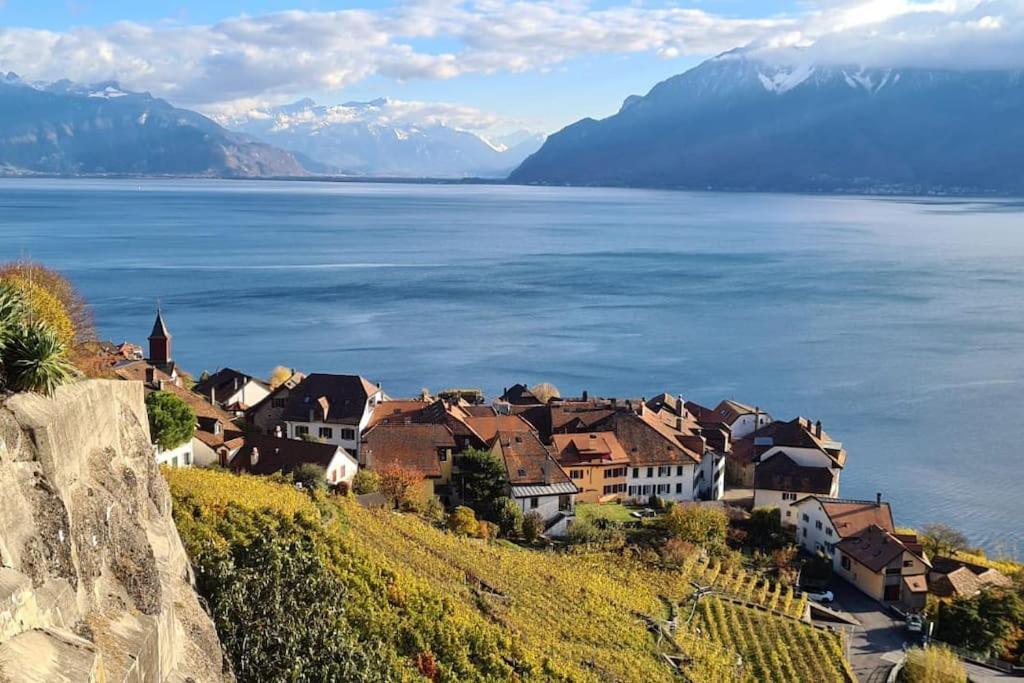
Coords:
877,644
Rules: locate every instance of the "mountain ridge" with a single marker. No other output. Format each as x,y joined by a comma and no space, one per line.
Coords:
736,122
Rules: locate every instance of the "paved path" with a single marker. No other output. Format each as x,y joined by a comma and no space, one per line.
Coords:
981,674
877,644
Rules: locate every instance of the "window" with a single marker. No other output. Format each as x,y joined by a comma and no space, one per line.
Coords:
301,430
679,471
788,496
817,524
805,532
664,488
576,474
614,488
278,402
613,472
845,562
650,472
442,455
828,531
522,473
534,502
908,563
348,434
679,488
665,471
806,518
789,513
636,472
327,432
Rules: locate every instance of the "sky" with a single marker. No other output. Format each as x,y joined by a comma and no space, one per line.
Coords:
489,65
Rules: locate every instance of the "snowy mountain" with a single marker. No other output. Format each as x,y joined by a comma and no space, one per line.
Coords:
79,129
741,122
385,138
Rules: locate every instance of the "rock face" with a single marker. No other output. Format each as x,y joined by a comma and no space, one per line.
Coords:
94,582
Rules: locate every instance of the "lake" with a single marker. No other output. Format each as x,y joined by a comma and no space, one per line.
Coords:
897,322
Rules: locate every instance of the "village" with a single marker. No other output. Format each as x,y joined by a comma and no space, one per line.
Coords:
561,456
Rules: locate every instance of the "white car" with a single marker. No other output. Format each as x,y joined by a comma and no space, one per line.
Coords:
915,623
824,596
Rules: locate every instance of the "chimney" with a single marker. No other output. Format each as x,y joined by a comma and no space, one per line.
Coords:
817,429
679,423
254,457
236,384
150,375
547,469
213,395
585,395
680,406
615,402
878,499
640,409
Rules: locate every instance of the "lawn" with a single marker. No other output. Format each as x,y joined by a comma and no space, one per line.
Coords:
613,512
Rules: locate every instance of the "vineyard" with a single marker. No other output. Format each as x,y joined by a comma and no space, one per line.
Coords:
492,611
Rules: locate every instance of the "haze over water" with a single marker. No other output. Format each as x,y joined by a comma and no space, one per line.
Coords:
897,322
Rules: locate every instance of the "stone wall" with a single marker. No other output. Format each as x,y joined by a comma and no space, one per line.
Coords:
94,581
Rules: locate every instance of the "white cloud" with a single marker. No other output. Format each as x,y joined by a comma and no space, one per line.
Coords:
246,60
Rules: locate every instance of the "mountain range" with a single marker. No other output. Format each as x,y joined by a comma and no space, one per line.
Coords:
76,129
739,122
377,138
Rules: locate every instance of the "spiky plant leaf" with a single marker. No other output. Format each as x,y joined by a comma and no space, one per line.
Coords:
36,360
12,311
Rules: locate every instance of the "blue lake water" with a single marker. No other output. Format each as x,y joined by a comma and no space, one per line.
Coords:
897,322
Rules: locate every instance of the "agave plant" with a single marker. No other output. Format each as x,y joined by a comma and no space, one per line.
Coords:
35,359
12,312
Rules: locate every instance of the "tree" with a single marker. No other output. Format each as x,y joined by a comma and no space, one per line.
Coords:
509,516
279,375
703,526
172,422
398,483
365,481
942,540
533,527
483,481
987,622
311,477
764,530
41,305
935,664
545,392
462,521
35,359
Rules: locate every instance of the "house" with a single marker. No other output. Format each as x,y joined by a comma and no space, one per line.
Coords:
596,463
823,522
334,409
516,398
793,460
887,566
799,432
537,482
742,420
953,578
232,390
425,449
264,455
214,426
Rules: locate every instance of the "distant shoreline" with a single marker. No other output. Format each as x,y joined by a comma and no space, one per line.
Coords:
892,193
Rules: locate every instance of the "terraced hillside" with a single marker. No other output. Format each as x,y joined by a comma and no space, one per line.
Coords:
433,605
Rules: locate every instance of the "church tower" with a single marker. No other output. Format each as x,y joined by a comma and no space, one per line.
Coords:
159,343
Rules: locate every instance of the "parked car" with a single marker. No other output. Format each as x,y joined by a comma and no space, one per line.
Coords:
915,623
823,596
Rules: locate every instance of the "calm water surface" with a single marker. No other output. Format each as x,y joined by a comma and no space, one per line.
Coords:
899,323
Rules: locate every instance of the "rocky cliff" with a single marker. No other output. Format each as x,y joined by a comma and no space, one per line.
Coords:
94,582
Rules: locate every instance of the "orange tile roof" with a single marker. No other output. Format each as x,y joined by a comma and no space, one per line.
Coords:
527,461
850,517
488,427
410,446
589,448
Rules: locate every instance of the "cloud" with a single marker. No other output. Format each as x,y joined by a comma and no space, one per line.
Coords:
245,60
288,53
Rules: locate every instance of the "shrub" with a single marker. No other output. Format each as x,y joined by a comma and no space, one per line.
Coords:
43,306
34,359
432,509
509,516
533,527
172,422
545,392
703,526
675,551
590,532
487,530
764,530
72,302
935,664
462,521
311,477
365,481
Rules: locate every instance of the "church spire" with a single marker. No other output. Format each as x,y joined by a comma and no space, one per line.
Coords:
159,342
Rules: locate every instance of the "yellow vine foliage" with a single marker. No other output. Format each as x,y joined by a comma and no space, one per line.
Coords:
45,306
552,616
